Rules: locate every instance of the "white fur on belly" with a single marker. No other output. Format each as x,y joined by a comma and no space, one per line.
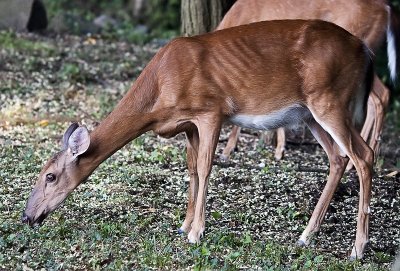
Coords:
289,116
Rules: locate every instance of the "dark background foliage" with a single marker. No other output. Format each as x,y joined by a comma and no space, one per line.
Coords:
160,19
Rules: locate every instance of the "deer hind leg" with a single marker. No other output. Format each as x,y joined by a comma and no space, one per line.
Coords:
377,103
369,122
232,142
362,156
192,149
337,165
266,138
280,143
382,96
209,130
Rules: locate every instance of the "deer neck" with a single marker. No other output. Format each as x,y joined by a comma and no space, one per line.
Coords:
131,118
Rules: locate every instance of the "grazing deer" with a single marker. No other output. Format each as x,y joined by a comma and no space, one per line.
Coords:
263,75
370,20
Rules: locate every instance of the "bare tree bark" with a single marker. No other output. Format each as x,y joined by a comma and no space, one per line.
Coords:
200,16
216,9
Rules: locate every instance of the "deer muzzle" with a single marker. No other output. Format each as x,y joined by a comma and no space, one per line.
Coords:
33,221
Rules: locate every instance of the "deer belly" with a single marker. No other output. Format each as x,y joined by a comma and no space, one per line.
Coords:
290,116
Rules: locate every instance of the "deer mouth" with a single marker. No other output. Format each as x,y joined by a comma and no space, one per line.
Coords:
36,221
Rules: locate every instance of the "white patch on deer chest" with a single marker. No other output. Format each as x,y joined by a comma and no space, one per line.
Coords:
289,116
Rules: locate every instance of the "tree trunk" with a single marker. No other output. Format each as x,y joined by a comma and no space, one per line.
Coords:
200,16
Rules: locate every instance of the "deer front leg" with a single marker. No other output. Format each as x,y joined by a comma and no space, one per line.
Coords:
192,149
208,138
337,165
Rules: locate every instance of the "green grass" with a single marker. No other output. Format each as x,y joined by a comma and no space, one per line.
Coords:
116,221
129,242
10,41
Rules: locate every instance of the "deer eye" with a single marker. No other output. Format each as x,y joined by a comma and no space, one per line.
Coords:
50,177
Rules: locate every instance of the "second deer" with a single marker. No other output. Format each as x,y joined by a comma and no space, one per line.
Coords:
370,20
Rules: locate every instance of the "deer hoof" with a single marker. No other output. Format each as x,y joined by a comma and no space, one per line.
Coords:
224,158
356,254
279,155
194,236
352,258
181,231
193,239
301,243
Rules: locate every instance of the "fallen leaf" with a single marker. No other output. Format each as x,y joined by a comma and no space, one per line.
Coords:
43,123
392,174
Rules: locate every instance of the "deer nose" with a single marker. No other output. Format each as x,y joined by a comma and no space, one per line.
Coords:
25,219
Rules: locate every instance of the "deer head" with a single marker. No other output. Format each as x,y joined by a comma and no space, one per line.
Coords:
60,175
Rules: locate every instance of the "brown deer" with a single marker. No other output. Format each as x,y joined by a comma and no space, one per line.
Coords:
263,75
370,20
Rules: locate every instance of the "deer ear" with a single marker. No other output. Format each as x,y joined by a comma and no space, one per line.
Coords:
67,135
79,141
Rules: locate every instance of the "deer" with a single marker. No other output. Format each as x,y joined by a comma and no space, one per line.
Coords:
370,20
262,75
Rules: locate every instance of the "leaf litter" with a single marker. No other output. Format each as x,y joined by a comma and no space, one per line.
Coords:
134,203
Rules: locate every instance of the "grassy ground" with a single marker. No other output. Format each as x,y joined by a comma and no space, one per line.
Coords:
127,215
